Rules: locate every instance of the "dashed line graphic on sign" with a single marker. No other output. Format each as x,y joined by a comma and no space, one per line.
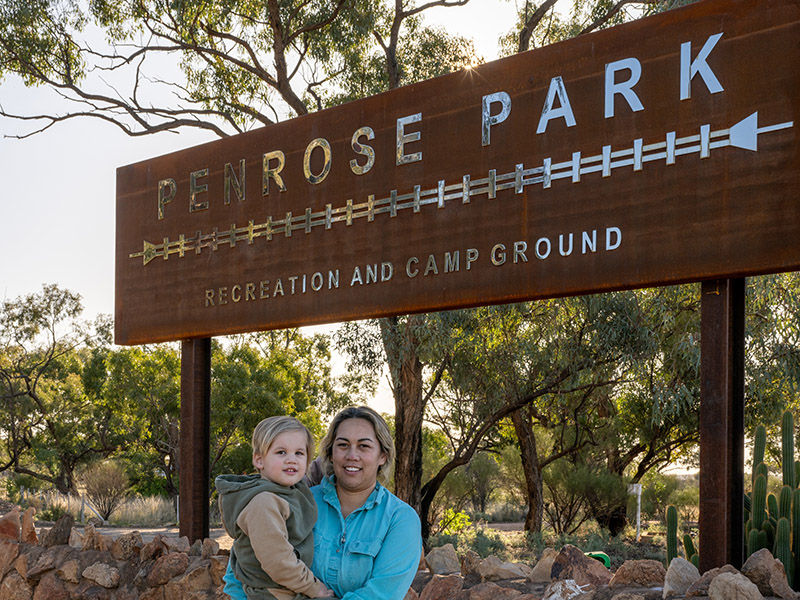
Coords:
743,134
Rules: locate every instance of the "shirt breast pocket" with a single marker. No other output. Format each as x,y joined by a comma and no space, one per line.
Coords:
359,562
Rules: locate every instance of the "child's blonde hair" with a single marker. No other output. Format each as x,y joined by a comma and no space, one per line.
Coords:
271,427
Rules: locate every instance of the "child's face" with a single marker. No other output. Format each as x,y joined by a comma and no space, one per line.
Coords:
286,459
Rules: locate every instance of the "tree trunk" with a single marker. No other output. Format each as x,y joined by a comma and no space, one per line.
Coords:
401,345
531,468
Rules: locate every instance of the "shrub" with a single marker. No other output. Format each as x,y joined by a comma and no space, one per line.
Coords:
52,513
106,487
486,542
453,522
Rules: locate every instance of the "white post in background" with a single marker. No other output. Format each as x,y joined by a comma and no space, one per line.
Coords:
636,488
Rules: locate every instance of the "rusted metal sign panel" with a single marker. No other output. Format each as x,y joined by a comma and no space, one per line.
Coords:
661,151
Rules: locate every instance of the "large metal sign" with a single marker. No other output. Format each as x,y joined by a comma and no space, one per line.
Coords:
661,151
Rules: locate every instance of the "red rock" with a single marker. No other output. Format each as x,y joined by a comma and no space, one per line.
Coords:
726,586
9,551
442,587
768,574
93,540
167,567
210,548
153,549
14,587
572,563
88,590
492,591
643,573
51,587
700,587
157,593
411,595
28,533
10,525
102,574
219,564
127,546
46,562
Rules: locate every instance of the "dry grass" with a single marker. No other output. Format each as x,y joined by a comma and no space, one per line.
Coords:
153,511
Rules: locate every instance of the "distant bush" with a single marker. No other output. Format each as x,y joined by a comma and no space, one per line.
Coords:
52,513
106,487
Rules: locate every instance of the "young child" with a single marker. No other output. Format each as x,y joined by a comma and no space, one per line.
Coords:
271,516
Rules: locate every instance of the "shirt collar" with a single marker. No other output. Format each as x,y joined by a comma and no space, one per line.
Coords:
331,497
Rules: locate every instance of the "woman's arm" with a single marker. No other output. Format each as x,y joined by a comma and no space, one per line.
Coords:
233,587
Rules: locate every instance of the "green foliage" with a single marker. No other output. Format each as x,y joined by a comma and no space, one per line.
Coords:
658,491
453,523
232,65
486,542
52,513
49,425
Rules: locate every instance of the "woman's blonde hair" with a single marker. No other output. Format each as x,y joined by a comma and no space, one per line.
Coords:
271,427
382,433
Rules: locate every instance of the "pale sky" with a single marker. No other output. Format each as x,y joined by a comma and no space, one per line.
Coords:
58,201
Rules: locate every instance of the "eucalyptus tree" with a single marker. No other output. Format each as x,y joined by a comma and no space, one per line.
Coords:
49,425
549,363
148,66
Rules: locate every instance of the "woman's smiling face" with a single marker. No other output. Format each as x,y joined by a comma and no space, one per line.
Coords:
356,455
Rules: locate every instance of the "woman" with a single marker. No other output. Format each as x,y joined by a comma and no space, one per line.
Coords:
367,542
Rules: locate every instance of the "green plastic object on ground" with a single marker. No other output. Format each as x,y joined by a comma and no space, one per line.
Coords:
601,556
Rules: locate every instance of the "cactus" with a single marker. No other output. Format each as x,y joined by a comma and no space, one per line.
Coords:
672,533
782,550
763,540
785,502
753,541
748,507
759,446
774,522
759,501
772,506
688,546
796,536
787,449
769,531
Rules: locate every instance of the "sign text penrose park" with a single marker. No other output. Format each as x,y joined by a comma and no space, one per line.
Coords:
661,151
